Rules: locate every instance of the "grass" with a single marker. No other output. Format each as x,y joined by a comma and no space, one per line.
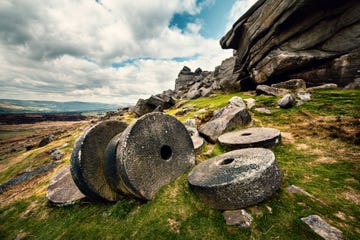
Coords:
324,164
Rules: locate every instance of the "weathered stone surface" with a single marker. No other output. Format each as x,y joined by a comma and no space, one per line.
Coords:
87,160
56,154
198,141
28,175
317,41
292,84
240,218
251,137
237,179
46,140
149,154
62,189
250,102
324,86
322,228
154,103
232,115
304,96
267,90
286,101
263,110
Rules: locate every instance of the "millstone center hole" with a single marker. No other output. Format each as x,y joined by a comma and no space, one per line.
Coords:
227,161
166,152
246,134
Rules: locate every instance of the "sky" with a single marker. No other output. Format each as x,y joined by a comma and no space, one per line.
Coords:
107,50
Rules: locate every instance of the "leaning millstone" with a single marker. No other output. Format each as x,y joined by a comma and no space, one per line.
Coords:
322,228
237,179
62,190
149,154
87,160
251,137
240,218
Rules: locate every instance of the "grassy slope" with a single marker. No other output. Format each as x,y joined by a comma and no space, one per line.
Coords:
319,154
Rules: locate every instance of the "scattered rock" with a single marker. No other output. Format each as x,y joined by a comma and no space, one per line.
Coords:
237,179
250,102
240,218
322,228
324,86
293,84
190,122
87,160
304,96
250,138
62,189
272,91
232,115
263,110
28,175
28,146
287,101
159,102
148,155
198,141
298,190
46,140
57,154
354,85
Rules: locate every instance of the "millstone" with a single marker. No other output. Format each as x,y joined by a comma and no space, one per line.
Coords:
148,154
236,179
62,189
87,160
251,137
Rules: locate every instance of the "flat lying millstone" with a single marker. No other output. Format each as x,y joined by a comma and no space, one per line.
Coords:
148,155
251,137
87,160
62,189
237,179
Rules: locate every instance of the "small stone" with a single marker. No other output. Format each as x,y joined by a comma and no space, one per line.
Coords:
322,228
46,140
190,122
240,218
304,96
250,102
263,110
57,154
287,101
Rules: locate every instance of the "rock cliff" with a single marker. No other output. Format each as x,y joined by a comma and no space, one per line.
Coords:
276,40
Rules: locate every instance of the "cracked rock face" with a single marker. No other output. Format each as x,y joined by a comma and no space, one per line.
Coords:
148,155
277,40
237,179
87,160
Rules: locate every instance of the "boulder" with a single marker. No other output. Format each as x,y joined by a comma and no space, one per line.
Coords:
293,84
287,101
304,96
57,154
251,137
198,141
317,41
231,116
149,154
272,91
322,228
46,140
62,189
250,102
159,102
237,179
324,86
240,218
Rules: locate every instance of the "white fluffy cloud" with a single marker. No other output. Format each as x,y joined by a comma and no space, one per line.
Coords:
64,50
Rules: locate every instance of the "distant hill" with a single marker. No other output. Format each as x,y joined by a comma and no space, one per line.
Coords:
30,106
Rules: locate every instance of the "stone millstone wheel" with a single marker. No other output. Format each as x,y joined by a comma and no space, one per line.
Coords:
236,179
149,154
251,137
88,159
62,189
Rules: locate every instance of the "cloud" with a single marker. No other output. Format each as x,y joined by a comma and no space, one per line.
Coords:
239,8
65,50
